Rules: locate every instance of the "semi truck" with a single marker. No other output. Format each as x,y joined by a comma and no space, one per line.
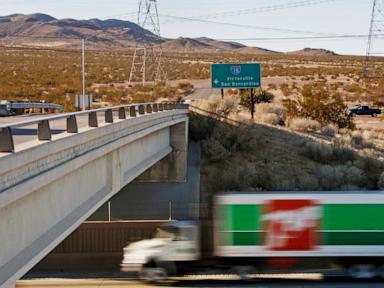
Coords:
271,233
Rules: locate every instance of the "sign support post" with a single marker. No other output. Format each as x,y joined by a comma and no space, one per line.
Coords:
252,104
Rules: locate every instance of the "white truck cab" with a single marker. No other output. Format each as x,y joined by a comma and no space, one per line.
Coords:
153,258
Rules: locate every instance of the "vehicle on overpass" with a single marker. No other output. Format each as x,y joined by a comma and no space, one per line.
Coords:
271,233
364,110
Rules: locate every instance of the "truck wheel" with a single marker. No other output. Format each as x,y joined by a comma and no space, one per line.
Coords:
380,271
353,114
153,275
374,115
362,271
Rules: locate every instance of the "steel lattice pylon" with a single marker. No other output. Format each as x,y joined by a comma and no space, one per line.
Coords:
147,58
372,69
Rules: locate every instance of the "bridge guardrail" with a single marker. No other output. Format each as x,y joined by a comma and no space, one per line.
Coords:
44,132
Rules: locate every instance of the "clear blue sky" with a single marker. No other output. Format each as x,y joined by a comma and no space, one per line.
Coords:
338,17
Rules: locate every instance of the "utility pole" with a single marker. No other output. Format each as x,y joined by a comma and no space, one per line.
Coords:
83,65
147,57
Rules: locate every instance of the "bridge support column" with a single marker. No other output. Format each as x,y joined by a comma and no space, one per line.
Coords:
172,168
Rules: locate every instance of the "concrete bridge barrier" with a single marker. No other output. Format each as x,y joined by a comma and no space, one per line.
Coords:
49,186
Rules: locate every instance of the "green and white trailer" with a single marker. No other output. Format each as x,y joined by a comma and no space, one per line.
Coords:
275,232
342,224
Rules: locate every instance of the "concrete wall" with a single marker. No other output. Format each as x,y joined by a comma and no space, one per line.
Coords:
158,200
47,190
172,168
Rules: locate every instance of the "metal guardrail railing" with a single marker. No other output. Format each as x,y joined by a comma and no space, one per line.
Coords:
44,132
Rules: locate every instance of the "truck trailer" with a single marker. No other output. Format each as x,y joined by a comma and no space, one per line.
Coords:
271,233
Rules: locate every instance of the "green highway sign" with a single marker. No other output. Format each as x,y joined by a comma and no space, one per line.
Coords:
236,75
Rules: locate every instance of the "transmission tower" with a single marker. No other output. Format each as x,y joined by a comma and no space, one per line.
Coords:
373,69
147,58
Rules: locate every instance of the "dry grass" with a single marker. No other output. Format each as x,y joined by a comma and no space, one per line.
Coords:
304,125
330,130
269,113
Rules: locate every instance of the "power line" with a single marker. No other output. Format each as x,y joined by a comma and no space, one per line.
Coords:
300,38
263,9
325,37
249,26
205,18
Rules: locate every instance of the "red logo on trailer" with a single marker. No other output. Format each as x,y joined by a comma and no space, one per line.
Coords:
291,225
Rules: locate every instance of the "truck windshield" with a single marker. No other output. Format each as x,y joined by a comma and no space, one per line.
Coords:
165,232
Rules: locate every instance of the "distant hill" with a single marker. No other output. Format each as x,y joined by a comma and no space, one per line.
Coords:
44,30
314,52
204,44
256,50
220,45
35,29
186,44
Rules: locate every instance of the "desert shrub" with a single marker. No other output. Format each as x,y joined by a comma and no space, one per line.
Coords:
380,183
221,108
340,176
318,152
371,166
343,154
279,183
328,153
330,130
319,104
200,127
285,89
185,87
308,182
232,92
213,150
271,118
271,114
264,97
261,96
355,139
234,139
361,139
272,86
304,124
244,139
236,174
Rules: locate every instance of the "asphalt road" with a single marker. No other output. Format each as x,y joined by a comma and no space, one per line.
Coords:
202,90
259,283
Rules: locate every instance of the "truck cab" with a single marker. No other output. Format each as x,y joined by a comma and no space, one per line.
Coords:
364,110
177,241
5,108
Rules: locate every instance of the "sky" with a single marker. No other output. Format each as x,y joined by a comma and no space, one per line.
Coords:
331,17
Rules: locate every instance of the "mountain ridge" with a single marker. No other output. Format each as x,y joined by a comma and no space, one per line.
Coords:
40,29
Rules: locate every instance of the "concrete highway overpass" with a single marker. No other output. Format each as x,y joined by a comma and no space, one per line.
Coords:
49,185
